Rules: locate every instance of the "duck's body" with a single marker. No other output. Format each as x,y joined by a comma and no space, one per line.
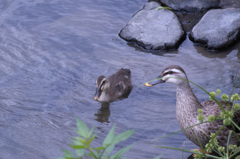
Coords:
187,106
115,87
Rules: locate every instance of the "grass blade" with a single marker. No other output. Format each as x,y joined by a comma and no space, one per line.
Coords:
194,152
179,131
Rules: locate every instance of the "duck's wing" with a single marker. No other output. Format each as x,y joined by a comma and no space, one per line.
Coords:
120,84
212,108
122,90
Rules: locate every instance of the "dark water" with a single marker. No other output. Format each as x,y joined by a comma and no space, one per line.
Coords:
51,53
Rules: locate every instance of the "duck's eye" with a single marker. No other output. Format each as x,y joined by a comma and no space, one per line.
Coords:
170,72
102,85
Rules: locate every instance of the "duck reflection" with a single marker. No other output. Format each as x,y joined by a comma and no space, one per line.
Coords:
103,113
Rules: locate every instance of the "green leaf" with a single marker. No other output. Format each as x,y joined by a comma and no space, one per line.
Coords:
108,150
81,140
90,132
93,154
109,138
77,146
82,129
121,152
80,152
90,140
68,154
99,148
76,142
123,136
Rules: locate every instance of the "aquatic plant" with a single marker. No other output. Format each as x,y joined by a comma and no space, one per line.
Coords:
83,149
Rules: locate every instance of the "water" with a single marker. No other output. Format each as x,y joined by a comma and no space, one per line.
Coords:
51,53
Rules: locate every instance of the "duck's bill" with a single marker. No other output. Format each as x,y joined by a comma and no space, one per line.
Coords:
149,84
95,98
97,94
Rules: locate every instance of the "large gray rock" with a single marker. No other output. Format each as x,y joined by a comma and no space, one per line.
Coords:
191,5
200,5
154,29
218,28
230,4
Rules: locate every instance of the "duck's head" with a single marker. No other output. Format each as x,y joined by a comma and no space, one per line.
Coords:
172,74
102,85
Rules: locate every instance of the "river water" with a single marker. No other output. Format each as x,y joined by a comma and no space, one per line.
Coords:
52,52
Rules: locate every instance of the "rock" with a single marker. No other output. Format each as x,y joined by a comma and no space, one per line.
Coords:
154,29
191,5
229,4
218,28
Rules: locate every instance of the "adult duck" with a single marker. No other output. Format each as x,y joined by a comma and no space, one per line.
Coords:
187,106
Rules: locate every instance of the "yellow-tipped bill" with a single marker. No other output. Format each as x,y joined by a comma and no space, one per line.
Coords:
95,98
147,84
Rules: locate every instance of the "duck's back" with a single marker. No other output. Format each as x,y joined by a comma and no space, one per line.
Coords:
120,84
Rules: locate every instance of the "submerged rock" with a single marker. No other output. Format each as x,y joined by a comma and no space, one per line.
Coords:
154,29
218,28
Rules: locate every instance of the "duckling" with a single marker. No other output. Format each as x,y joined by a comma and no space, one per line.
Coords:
115,87
187,106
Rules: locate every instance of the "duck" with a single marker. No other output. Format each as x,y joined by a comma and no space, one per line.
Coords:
187,106
115,87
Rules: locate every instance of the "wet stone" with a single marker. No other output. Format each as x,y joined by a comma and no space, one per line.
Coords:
154,29
229,4
218,28
190,5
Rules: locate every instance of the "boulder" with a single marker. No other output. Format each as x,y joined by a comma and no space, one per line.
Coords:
191,5
229,4
218,28
154,29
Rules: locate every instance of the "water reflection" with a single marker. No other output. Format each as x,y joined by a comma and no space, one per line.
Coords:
103,113
223,53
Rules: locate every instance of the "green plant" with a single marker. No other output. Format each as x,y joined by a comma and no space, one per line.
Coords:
227,117
83,148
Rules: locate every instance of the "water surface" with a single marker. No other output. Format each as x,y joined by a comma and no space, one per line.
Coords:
51,53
